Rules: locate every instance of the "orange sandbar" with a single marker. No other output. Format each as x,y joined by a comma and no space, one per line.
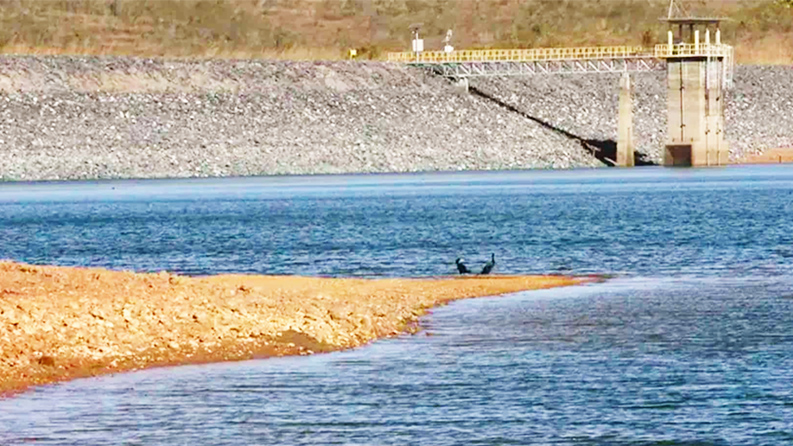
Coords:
60,323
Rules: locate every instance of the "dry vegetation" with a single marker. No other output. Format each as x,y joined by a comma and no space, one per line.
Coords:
762,30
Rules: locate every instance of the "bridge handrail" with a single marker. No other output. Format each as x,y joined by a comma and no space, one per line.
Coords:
662,51
524,55
665,51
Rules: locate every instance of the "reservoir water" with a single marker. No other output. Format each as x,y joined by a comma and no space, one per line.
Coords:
690,342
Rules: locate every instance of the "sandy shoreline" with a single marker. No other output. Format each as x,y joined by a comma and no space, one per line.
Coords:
773,156
61,323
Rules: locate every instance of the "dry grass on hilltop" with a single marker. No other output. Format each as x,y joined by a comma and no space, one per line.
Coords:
761,30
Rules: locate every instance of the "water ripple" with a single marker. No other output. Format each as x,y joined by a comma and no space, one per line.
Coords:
690,344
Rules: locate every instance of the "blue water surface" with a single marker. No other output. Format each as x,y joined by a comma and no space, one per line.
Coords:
690,343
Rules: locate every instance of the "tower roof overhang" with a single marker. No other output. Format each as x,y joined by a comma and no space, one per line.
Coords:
694,20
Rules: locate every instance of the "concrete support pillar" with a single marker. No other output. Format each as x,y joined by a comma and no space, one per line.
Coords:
686,112
625,148
696,41
695,134
716,145
462,84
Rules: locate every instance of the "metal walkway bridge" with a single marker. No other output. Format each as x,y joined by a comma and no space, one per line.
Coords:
603,59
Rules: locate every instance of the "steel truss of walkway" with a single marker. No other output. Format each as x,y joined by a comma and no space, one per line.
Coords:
482,69
611,59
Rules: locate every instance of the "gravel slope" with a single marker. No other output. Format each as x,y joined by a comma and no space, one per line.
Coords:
759,113
87,117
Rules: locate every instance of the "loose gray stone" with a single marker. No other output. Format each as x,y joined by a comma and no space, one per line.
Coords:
111,117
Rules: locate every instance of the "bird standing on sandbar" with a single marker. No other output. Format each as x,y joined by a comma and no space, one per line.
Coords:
489,265
461,268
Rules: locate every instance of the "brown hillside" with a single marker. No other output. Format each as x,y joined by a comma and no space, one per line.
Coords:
761,30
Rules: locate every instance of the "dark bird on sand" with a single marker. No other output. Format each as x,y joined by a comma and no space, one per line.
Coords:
489,265
461,268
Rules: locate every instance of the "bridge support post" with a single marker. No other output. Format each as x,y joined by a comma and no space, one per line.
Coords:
462,84
625,148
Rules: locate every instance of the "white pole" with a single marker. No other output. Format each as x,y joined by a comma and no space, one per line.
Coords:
671,38
707,63
696,42
718,37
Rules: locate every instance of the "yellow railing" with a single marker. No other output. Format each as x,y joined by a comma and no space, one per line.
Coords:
563,54
692,50
530,55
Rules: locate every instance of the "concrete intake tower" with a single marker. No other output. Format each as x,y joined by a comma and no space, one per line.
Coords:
697,76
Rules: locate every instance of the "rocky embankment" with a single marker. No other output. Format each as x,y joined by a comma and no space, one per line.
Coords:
58,323
758,113
84,117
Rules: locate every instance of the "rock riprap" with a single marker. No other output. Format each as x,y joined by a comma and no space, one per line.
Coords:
113,117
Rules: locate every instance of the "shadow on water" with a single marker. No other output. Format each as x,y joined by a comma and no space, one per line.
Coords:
605,150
